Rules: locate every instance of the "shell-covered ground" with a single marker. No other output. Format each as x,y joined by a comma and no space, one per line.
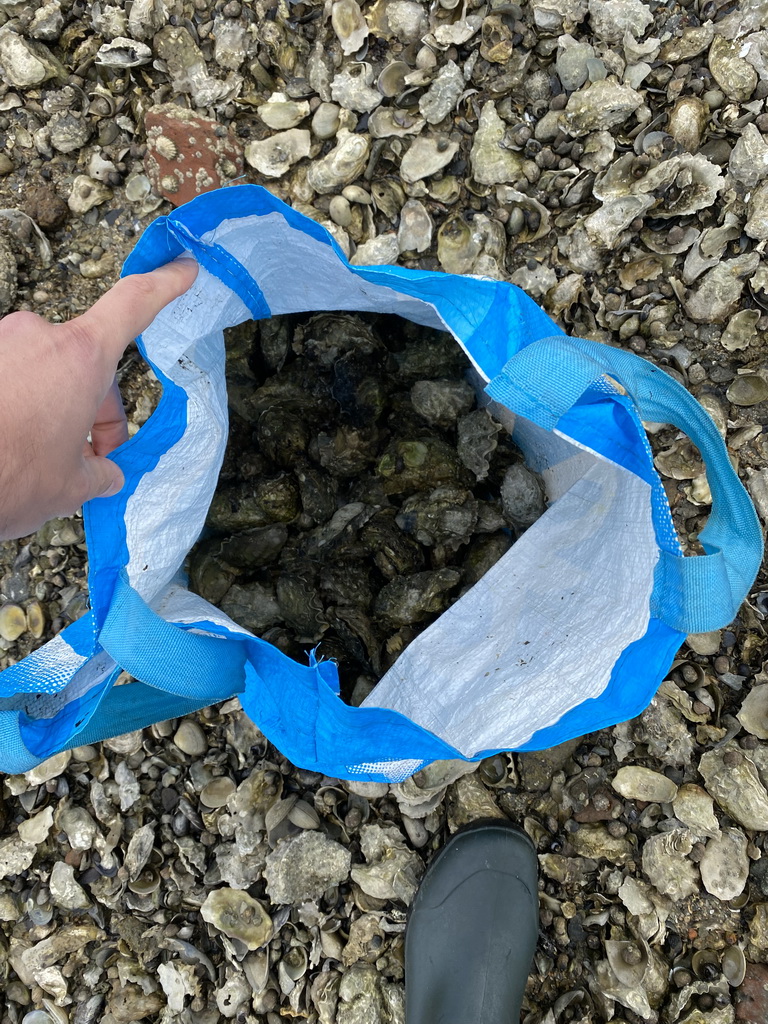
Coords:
611,158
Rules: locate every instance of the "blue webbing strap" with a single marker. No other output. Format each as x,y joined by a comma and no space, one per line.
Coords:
693,595
206,669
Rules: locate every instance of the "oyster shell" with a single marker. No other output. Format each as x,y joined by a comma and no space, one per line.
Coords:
666,865
123,52
717,296
735,76
600,106
695,808
491,162
740,330
87,193
753,714
391,871
687,121
748,162
275,156
342,165
725,865
386,122
444,93
414,233
426,156
637,783
238,916
281,113
349,25
353,88
732,779
459,244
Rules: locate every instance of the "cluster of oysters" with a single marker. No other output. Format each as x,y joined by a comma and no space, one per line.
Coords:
362,489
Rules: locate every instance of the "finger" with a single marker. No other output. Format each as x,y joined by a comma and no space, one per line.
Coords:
110,428
130,306
101,478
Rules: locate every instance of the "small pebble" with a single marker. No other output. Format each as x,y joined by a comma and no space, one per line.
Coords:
190,738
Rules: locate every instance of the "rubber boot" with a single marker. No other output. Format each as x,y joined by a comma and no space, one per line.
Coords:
472,929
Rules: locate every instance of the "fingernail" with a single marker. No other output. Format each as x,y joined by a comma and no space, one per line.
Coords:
185,259
114,488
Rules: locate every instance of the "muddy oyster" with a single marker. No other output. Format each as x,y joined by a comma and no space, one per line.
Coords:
441,402
522,496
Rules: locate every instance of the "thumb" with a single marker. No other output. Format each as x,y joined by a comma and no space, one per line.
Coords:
103,478
130,306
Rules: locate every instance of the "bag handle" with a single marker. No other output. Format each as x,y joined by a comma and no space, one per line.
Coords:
695,594
206,668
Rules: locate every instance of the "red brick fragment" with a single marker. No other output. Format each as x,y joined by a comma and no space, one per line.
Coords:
752,996
188,154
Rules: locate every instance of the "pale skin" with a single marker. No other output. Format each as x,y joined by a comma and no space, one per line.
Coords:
58,386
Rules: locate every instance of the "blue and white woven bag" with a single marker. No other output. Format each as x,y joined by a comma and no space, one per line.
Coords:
572,630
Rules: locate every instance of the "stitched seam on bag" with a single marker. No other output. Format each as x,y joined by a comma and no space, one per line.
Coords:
520,391
220,256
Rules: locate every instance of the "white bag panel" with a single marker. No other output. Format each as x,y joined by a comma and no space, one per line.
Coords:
167,510
178,604
298,273
204,310
507,658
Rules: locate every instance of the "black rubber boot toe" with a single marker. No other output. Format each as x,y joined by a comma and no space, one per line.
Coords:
472,930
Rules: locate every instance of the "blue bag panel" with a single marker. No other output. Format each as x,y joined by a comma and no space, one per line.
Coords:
300,713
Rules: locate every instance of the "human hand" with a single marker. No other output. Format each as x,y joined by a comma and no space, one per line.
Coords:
58,385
